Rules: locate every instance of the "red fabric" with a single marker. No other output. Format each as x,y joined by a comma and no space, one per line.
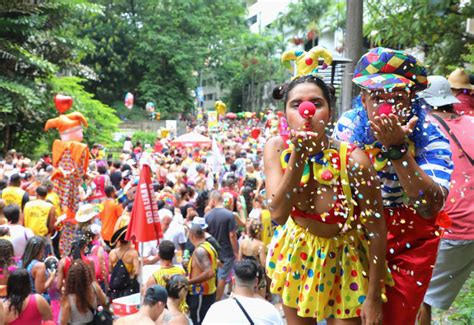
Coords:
144,221
459,205
466,105
412,246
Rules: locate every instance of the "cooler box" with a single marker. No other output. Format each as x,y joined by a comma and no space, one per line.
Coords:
126,305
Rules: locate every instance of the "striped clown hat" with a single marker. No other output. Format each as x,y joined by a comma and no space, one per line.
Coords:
384,68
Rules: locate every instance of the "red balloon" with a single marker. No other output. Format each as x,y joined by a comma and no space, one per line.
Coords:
307,109
63,103
255,133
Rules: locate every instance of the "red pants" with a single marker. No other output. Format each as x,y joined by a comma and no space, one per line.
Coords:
412,245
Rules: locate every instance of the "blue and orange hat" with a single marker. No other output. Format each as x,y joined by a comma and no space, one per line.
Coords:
384,68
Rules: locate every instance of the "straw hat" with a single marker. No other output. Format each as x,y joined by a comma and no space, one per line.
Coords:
86,212
459,79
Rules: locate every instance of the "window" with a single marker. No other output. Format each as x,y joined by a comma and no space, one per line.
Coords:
252,20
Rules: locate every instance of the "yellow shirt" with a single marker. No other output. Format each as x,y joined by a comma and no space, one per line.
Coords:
36,216
13,195
160,274
54,199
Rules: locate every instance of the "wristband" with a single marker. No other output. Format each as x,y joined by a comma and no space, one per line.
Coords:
396,152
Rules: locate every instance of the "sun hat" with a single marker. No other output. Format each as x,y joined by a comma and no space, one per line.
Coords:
459,79
384,68
118,235
438,93
86,212
201,222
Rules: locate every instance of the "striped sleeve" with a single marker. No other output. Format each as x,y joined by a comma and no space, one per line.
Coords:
436,160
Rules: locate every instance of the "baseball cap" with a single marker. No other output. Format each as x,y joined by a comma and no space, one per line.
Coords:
199,221
384,68
439,92
154,294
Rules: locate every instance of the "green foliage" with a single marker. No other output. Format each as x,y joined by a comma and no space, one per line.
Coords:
36,43
144,137
437,26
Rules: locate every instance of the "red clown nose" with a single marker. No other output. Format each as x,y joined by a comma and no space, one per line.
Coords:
385,109
307,109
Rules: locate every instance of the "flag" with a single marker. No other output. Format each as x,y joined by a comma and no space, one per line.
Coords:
144,222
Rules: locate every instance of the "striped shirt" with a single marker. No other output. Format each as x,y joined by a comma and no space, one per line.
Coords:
435,159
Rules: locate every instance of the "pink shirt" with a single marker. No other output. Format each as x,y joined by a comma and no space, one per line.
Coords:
30,315
460,203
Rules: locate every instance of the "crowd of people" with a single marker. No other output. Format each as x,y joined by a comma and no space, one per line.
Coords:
366,219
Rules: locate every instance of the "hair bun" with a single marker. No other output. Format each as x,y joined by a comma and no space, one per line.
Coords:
278,92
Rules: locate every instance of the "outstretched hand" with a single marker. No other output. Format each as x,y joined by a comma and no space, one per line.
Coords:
389,131
306,141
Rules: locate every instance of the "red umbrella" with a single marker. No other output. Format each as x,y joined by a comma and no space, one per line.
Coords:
191,139
144,222
231,115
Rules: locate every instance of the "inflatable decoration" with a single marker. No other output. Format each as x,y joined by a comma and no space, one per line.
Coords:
220,107
70,155
255,133
150,107
306,62
129,100
63,103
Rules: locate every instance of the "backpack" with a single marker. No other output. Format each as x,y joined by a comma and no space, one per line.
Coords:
119,278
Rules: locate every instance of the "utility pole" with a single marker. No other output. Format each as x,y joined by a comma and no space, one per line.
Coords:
352,48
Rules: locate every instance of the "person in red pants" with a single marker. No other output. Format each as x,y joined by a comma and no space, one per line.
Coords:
413,161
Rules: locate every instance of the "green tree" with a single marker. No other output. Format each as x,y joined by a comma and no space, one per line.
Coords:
437,27
37,42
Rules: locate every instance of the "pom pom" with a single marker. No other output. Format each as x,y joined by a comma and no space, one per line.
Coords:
278,92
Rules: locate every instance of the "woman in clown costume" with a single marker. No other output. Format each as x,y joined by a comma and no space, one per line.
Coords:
327,258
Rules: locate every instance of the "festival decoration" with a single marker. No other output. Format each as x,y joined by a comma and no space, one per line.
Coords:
220,107
150,107
70,161
255,133
212,119
306,62
283,128
144,220
62,103
326,166
129,100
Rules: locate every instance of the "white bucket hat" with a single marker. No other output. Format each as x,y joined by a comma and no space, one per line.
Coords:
201,222
439,92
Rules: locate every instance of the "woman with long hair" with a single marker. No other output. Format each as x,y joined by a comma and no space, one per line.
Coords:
82,297
21,306
7,264
320,260
32,261
177,288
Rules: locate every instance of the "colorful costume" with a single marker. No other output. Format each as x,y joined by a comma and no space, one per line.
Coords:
322,277
412,241
70,159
